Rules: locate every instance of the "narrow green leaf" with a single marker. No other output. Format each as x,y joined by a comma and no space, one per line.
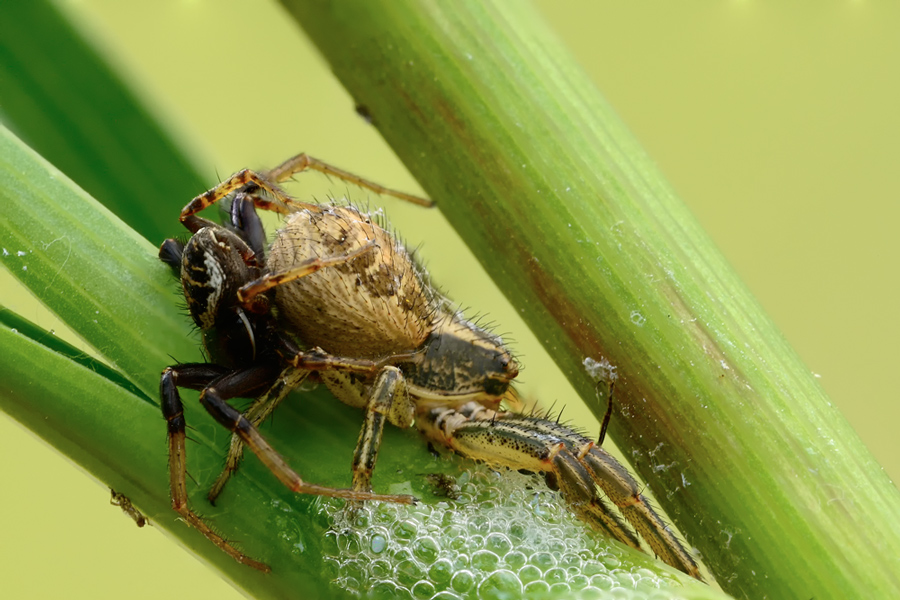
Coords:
70,106
89,268
573,221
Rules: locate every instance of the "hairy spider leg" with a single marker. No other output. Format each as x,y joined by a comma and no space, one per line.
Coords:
388,400
239,180
215,391
248,293
258,412
571,462
283,203
194,376
304,162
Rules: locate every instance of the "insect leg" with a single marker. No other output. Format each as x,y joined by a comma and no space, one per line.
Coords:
258,412
304,162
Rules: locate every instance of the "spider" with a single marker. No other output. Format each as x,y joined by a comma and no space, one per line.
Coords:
340,300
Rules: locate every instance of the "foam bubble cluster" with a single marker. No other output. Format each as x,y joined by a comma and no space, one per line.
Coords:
503,535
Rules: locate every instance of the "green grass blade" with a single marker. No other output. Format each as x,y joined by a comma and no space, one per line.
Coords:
70,106
572,219
89,268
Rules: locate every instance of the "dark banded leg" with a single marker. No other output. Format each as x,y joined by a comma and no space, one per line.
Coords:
218,389
239,180
388,400
194,376
578,488
571,461
213,399
258,412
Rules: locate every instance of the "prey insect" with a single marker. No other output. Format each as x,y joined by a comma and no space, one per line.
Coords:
338,299
124,502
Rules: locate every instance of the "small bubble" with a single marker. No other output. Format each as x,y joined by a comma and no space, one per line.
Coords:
457,536
462,581
386,590
557,546
515,559
500,585
603,582
423,590
441,571
406,529
611,562
537,589
592,593
445,595
578,581
570,559
646,580
497,543
529,573
479,524
426,549
517,531
352,569
349,583
625,579
592,567
402,554
485,560
380,569
377,542
543,560
361,519
348,542
555,575
460,561
408,572
332,566
473,544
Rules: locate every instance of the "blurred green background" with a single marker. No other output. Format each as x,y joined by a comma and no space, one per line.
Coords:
777,125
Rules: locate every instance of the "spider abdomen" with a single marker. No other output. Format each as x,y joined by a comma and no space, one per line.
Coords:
372,306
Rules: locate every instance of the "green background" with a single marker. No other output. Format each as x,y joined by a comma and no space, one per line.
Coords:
777,125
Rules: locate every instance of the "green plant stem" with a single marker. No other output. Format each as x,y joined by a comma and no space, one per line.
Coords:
571,218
